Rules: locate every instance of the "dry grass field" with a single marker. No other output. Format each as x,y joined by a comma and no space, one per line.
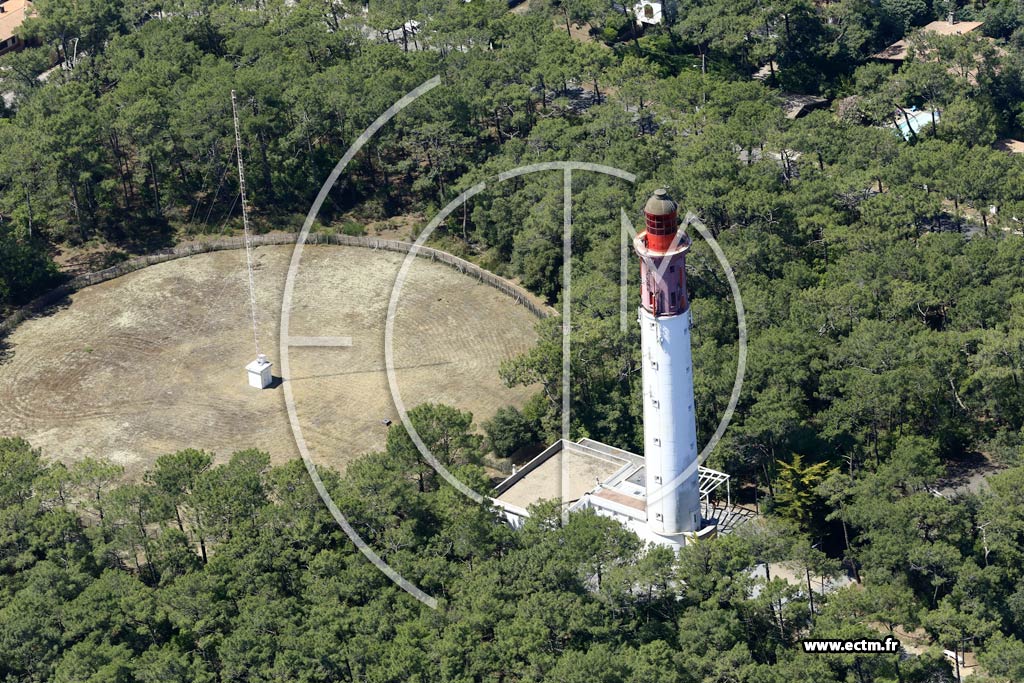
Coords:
154,361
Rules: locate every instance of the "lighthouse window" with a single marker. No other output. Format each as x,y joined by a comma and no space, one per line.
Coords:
657,479
654,365
657,441
671,269
673,298
658,516
655,403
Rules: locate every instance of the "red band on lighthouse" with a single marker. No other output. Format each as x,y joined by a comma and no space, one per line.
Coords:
661,230
663,257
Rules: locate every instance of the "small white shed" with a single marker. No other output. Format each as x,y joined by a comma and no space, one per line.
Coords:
259,371
648,12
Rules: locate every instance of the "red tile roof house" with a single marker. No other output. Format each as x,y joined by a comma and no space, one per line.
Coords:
897,52
12,14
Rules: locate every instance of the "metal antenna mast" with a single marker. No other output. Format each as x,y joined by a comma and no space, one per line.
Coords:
245,221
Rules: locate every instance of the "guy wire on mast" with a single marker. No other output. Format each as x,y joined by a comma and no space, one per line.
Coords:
245,221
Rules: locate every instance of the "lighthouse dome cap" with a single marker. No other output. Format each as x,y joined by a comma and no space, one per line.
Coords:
660,204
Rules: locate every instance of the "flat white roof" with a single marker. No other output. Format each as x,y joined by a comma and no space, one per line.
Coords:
587,466
542,478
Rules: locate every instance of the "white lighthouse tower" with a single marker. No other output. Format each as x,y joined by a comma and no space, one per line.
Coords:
661,496
670,426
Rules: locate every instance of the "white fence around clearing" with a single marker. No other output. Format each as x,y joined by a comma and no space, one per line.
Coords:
517,293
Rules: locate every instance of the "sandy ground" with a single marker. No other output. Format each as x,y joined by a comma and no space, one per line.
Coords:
154,361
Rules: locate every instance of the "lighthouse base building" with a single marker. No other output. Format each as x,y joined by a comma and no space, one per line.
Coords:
588,474
665,496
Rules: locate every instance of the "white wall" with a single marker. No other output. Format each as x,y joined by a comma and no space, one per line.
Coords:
670,425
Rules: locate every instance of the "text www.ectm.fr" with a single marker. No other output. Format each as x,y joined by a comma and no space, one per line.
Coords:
863,645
